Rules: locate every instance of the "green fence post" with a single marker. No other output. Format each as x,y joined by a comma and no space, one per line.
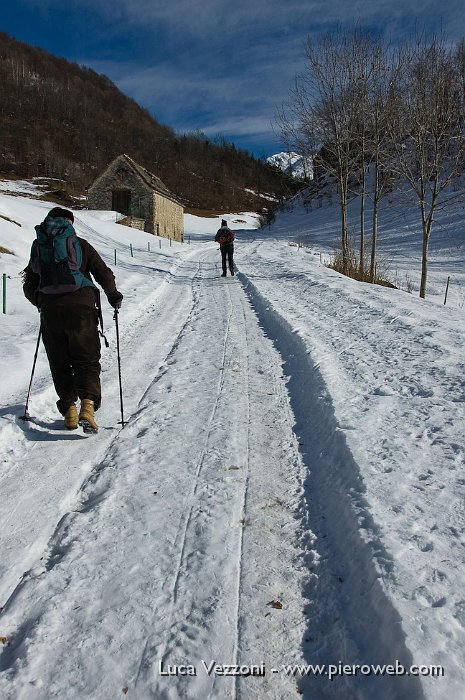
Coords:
4,293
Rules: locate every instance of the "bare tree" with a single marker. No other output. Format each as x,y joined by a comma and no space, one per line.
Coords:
330,115
323,112
384,70
366,69
426,125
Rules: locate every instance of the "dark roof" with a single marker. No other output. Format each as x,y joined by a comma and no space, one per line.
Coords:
149,179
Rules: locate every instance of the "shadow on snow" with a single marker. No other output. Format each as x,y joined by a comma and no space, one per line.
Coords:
351,619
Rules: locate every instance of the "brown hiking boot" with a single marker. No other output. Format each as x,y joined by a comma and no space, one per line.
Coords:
86,416
71,417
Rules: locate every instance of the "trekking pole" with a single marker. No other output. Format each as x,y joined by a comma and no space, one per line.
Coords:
119,367
26,414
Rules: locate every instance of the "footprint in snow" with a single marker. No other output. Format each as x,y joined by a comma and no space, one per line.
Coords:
428,599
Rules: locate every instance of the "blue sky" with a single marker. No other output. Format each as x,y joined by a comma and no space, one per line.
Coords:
219,66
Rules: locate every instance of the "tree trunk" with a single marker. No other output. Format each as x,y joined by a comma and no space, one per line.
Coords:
374,231
344,228
362,225
424,263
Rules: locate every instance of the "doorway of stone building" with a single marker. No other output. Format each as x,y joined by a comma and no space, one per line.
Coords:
121,201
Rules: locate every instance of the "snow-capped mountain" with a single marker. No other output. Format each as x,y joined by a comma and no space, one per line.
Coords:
293,163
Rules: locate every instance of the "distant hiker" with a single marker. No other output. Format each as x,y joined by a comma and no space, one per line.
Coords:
58,281
225,237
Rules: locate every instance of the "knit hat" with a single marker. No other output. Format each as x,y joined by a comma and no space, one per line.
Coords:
59,213
224,222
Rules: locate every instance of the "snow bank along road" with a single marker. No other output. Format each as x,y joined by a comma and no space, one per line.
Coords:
195,535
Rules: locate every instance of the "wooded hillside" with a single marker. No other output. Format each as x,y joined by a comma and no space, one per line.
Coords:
62,120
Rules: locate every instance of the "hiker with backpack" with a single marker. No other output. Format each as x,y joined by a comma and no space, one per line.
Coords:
225,237
58,280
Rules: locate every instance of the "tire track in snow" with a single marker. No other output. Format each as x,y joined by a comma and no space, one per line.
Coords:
275,539
189,523
240,573
216,627
352,618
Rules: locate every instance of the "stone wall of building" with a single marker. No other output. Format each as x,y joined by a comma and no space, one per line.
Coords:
133,222
169,218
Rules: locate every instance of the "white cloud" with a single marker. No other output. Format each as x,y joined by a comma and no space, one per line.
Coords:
225,67
212,19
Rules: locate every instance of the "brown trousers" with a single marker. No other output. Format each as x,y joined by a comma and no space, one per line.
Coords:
72,344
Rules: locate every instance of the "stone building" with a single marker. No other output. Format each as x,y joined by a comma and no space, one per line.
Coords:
140,196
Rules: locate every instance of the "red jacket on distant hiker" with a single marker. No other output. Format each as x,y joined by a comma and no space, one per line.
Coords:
225,237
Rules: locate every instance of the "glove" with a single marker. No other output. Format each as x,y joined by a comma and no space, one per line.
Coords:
115,299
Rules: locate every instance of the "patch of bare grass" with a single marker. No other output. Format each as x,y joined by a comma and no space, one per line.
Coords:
354,270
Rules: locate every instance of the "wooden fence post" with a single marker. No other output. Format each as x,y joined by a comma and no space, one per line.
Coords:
447,289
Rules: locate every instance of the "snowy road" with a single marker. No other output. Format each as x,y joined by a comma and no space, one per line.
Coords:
288,488
173,519
236,518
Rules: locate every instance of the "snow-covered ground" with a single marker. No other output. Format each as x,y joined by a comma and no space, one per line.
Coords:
288,489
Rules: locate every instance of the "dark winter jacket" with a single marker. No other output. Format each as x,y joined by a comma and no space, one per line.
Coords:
224,236
92,265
